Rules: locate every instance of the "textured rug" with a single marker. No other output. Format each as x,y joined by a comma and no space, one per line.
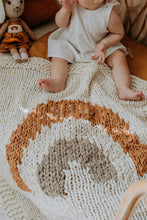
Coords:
70,155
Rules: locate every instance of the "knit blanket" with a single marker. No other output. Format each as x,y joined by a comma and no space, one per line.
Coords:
68,155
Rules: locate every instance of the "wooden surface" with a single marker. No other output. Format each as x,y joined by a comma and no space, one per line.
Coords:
138,62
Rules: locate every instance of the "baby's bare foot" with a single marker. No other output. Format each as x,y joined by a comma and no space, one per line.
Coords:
51,85
129,94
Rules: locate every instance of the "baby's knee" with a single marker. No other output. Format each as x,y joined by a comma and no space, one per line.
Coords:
119,54
117,57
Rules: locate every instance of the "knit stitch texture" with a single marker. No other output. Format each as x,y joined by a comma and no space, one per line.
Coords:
69,155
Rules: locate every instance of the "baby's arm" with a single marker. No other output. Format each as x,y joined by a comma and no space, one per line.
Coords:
62,17
116,30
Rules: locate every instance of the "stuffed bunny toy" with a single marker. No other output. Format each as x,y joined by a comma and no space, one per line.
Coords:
14,32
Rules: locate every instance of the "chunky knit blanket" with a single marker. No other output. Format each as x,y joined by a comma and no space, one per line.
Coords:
69,155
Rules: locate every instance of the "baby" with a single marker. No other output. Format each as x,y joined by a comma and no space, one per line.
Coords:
89,31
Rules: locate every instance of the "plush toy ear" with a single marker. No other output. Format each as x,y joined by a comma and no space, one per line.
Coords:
2,12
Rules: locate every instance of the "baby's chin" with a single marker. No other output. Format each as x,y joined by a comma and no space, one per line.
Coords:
80,5
83,6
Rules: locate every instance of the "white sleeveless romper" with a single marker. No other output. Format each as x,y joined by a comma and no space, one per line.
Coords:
77,42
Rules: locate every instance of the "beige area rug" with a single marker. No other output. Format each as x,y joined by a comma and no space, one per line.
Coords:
70,155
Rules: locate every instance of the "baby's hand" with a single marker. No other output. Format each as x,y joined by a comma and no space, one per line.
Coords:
67,4
100,51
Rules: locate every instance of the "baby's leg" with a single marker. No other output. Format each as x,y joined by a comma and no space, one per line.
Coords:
122,77
59,71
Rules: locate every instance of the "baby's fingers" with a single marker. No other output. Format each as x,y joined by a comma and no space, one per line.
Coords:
74,1
99,60
94,57
103,58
